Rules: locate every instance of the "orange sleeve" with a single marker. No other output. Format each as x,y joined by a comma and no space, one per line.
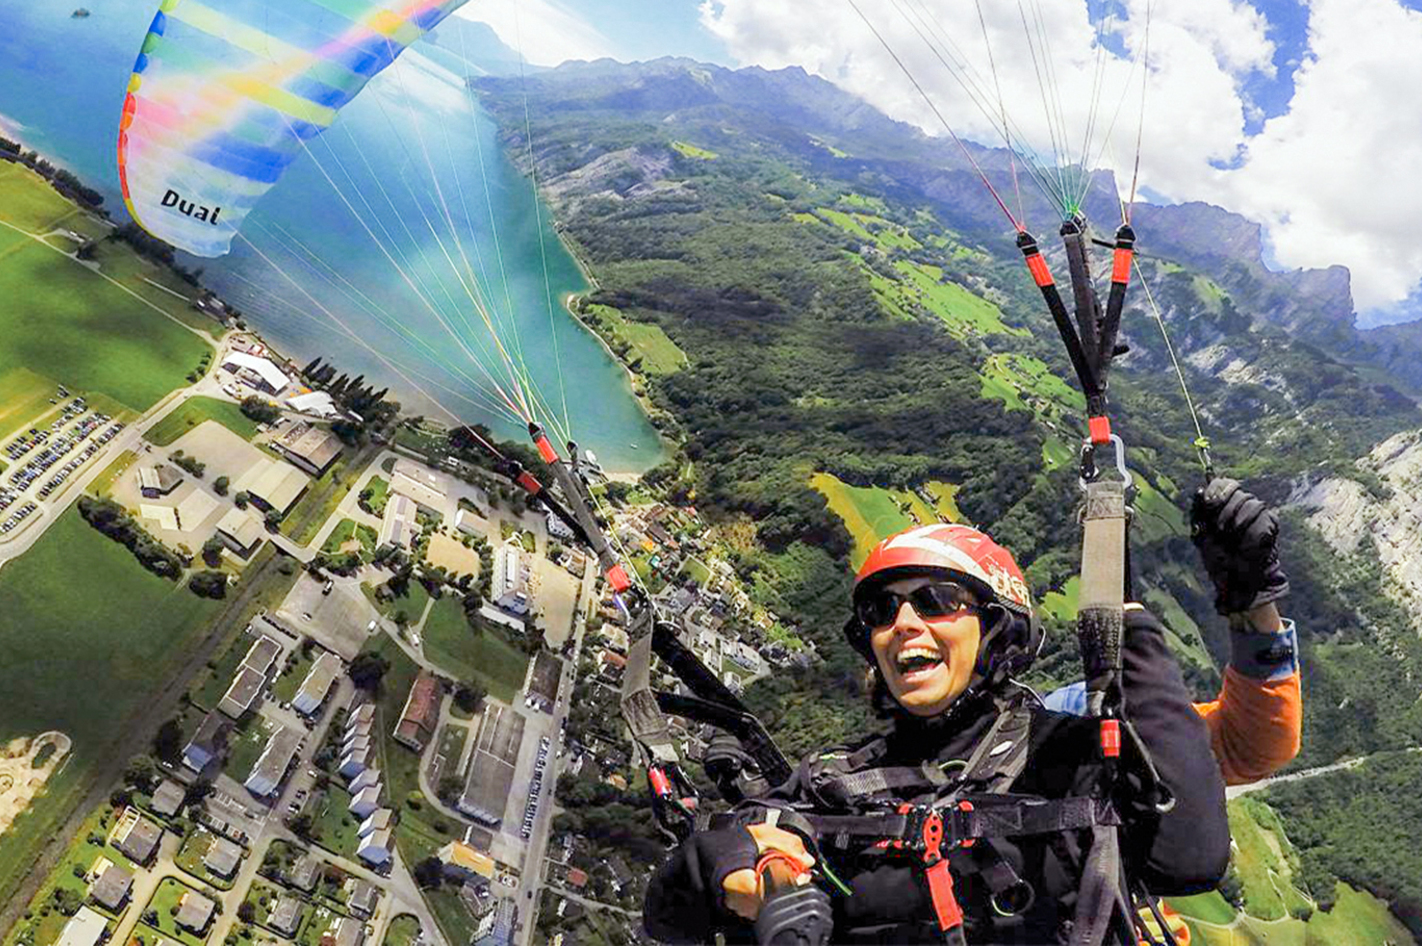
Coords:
1255,725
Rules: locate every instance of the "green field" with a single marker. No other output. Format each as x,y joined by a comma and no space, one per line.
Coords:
691,151
196,410
24,397
333,827
1062,604
486,657
208,691
379,494
963,312
412,602
80,659
293,672
63,313
1156,516
245,746
658,354
1025,383
871,513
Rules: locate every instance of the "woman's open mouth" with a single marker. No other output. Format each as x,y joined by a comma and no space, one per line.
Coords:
915,663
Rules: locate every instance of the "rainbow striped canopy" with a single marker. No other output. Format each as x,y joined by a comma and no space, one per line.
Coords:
225,93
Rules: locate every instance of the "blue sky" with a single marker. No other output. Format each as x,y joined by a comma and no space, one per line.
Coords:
1297,114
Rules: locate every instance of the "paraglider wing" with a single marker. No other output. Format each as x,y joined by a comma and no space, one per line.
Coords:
223,97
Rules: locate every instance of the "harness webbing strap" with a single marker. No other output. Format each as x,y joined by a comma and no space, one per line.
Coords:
991,816
1100,898
1101,608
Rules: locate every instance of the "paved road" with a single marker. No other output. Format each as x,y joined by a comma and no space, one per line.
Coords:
1234,791
532,881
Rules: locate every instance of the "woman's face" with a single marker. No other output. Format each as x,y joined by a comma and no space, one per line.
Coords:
927,664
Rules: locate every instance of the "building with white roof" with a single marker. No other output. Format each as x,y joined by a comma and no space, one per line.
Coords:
317,684
364,802
422,485
256,371
85,928
273,485
240,531
399,526
309,447
316,403
375,847
511,590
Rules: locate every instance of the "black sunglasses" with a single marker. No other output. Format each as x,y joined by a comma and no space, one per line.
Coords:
939,599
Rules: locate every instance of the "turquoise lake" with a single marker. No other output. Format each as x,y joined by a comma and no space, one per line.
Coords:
380,235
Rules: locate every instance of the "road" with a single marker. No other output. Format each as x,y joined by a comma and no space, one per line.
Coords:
1235,791
531,882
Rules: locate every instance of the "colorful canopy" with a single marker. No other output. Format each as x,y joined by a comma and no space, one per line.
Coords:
225,94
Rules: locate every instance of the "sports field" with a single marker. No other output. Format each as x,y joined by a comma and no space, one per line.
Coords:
87,635
68,323
194,411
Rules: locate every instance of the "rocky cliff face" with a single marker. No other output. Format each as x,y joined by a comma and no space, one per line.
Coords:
1354,522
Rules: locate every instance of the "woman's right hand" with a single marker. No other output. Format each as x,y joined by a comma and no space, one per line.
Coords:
743,888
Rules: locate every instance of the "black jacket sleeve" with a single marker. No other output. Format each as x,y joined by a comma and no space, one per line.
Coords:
1186,849
684,902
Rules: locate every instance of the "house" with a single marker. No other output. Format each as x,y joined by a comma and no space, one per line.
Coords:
346,932
256,371
362,897
378,820
362,715
194,912
470,522
285,916
577,878
157,481
501,932
364,780
168,798
222,857
137,837
621,874
272,485
240,531
511,591
558,529
112,888
357,743
423,486
316,403
399,525
251,678
364,802
375,848
304,872
317,684
355,762
207,743
310,448
85,928
420,716
462,862
270,769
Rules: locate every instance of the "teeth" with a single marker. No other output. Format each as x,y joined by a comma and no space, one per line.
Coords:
909,654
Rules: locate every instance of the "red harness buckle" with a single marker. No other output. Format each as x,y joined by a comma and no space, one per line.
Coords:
940,879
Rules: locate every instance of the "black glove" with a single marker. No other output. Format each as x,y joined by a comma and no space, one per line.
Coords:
685,900
1238,536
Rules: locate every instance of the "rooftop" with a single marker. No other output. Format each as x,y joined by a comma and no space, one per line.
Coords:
112,886
243,692
273,482
317,683
421,714
314,402
223,857
168,797
399,526
194,911
84,929
285,915
271,766
140,839
461,855
241,527
261,367
316,445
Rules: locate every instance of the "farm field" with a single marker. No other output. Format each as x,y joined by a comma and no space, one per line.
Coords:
649,344
871,513
196,410
69,312
487,657
60,639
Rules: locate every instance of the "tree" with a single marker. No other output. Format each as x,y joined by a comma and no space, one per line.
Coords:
367,670
429,872
242,499
212,551
247,912
300,826
168,742
260,409
141,773
468,696
274,518
197,791
208,584
448,788
220,485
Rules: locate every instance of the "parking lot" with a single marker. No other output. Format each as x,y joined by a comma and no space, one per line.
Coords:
339,620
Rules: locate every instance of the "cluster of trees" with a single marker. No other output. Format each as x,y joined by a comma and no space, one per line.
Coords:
208,584
614,820
260,409
192,464
354,396
110,518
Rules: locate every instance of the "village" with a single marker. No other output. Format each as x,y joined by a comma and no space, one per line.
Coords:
376,758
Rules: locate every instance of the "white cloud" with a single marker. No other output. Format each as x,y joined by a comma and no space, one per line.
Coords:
545,31
1330,180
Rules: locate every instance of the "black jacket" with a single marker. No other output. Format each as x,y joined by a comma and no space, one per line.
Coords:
1183,851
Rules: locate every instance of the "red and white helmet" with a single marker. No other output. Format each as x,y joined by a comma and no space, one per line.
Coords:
1011,635
985,566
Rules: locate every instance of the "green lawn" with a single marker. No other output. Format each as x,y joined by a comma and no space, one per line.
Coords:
220,671
412,602
691,151
40,929
62,636
694,569
379,494
190,855
245,747
870,513
487,657
961,311
167,896
333,827
402,931
196,410
24,398
61,313
292,674
346,530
